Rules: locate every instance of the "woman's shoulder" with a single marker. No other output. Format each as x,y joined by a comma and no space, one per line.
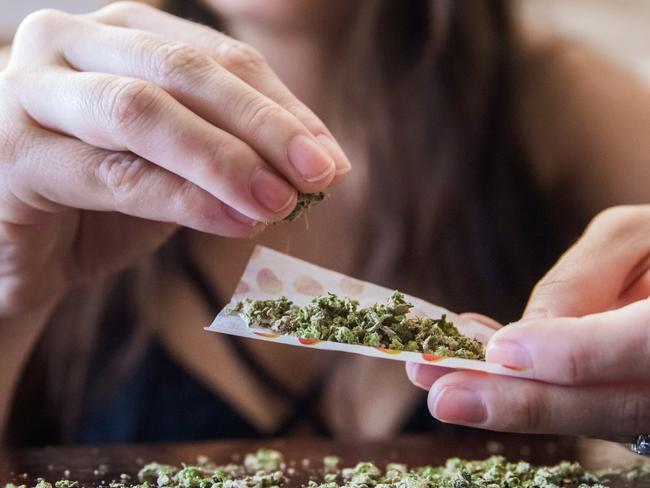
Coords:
578,109
550,73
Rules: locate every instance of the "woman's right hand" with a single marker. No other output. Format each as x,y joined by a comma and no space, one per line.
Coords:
118,126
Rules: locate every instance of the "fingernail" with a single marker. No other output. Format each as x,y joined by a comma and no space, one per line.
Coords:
508,354
240,217
271,190
458,405
311,161
340,160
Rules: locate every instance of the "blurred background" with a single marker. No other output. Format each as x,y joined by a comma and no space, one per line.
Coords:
619,28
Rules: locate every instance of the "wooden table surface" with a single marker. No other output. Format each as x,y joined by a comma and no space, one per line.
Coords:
85,463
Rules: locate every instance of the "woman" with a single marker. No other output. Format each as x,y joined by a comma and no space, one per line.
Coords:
479,151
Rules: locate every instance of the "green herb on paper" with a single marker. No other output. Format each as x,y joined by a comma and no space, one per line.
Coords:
330,318
305,201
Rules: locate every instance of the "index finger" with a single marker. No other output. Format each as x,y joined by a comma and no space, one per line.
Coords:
237,57
595,272
208,90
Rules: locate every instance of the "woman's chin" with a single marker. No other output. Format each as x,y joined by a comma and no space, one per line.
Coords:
271,11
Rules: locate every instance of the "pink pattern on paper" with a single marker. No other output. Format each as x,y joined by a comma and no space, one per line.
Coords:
242,287
308,286
268,281
351,287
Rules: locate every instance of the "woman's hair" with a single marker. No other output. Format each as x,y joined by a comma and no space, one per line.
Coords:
428,86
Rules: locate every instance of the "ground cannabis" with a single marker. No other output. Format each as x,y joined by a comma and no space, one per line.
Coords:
263,471
494,472
305,201
260,470
331,318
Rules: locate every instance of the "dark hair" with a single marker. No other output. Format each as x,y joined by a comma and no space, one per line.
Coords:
433,84
453,209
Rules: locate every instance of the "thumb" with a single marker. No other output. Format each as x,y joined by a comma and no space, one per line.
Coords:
597,269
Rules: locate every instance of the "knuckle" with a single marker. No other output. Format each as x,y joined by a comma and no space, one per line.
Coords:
187,202
644,340
257,114
12,80
558,282
217,155
41,25
8,79
578,365
619,220
8,148
550,284
222,167
239,57
173,62
526,410
126,102
633,411
193,207
122,175
15,142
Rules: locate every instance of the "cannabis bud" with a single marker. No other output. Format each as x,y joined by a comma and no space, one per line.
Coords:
331,318
305,201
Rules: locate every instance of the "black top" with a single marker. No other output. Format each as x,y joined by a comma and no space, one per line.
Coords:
159,401
501,232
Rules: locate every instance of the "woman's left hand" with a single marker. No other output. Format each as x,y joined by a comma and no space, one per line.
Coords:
585,337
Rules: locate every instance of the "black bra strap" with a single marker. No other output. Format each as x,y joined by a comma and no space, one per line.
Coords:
303,405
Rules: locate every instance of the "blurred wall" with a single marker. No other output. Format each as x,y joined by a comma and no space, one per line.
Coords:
620,28
12,11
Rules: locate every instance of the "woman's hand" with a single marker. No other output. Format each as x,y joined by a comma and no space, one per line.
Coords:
115,127
585,337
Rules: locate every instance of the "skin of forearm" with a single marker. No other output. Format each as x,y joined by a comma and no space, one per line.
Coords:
18,335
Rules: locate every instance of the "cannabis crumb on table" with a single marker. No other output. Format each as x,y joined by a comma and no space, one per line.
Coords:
266,469
385,325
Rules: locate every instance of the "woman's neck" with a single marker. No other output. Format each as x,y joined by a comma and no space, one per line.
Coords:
300,53
296,58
